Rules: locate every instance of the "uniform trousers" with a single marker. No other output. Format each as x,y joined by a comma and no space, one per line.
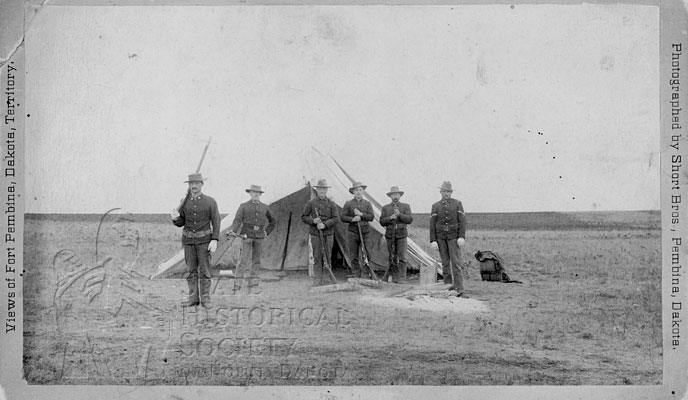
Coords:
197,258
319,272
451,258
398,269
251,252
354,243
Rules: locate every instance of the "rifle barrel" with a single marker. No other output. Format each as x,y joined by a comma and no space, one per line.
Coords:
205,150
365,252
198,169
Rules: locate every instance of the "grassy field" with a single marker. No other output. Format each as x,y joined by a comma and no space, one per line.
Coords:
587,312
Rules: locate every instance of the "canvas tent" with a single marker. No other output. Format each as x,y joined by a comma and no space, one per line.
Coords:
288,247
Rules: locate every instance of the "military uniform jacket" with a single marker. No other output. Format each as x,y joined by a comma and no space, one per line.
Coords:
348,214
255,220
328,212
402,220
199,215
447,220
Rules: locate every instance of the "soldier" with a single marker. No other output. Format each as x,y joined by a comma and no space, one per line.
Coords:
357,212
448,233
321,215
200,218
395,216
256,223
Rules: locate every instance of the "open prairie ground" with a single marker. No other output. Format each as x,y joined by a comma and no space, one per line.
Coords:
586,313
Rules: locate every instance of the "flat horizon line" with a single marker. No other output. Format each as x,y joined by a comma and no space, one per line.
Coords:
418,213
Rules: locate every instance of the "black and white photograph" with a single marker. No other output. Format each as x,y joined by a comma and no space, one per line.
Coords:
360,200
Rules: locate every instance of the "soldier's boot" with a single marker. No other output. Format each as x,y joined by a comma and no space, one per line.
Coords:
192,299
385,276
457,285
205,292
394,272
365,272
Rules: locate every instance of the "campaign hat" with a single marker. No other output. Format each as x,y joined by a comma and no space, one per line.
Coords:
254,188
322,183
357,185
395,189
195,177
446,185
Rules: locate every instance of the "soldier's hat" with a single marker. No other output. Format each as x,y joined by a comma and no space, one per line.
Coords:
394,189
254,188
357,185
446,185
195,178
322,183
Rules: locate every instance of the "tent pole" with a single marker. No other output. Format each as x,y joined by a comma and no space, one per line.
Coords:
286,244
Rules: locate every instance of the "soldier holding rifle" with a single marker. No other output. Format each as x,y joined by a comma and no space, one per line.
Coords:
321,215
357,212
447,234
199,216
395,216
256,223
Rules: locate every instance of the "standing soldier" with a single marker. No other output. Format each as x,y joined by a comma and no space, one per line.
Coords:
357,212
448,233
200,218
321,215
395,216
256,222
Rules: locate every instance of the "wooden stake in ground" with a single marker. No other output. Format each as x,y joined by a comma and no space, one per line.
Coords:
286,248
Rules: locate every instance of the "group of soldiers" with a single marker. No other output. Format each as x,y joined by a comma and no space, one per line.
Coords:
199,216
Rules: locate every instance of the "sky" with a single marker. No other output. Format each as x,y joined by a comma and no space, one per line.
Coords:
530,108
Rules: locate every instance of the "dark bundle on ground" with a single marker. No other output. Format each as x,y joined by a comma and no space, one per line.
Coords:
492,267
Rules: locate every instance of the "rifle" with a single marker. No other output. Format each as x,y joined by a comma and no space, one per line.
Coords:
394,250
182,203
365,254
230,236
326,255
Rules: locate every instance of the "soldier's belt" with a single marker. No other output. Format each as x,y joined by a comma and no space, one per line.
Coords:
252,229
200,234
449,227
